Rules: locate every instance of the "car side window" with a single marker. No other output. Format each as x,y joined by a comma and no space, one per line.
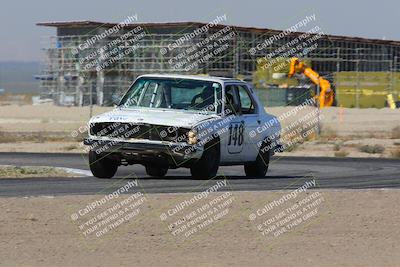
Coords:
246,103
231,99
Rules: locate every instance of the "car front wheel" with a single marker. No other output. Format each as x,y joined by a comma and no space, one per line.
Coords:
101,166
207,166
259,167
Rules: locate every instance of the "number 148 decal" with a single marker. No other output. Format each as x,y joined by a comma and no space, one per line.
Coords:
236,131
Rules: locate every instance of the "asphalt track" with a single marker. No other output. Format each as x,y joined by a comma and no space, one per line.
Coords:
284,173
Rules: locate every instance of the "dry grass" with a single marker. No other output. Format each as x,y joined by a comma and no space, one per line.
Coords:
6,138
24,172
372,149
70,147
328,133
341,154
396,153
80,136
39,137
291,148
396,132
338,146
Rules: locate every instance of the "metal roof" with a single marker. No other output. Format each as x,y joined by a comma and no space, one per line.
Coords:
88,23
192,77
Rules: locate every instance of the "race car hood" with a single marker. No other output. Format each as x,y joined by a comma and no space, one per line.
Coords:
175,118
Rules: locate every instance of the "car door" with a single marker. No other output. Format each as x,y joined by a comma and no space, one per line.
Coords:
250,116
233,140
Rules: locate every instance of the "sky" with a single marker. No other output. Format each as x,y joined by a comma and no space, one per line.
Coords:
21,39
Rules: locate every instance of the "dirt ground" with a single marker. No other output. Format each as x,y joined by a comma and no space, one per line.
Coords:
45,118
10,171
351,228
29,172
344,131
50,118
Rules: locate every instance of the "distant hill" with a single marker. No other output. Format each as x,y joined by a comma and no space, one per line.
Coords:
17,77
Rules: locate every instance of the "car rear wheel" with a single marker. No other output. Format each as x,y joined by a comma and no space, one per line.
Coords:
207,166
101,166
258,168
156,171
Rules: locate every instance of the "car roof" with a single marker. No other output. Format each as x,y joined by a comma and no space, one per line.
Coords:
193,77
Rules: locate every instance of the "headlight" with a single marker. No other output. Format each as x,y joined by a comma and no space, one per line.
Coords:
192,137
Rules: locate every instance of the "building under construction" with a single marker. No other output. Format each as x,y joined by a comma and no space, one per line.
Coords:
92,62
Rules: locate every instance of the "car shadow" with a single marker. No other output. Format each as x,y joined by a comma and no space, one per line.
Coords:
220,177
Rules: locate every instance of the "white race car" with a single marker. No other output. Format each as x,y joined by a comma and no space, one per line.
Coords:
170,121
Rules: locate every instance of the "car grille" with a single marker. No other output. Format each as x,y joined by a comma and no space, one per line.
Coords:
120,130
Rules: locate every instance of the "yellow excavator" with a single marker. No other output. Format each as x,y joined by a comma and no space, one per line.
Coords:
326,95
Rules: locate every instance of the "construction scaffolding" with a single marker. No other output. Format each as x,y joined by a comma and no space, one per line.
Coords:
67,80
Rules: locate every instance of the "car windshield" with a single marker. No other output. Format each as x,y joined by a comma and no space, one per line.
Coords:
168,93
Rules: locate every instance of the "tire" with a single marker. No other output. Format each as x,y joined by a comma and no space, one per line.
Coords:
156,171
207,166
102,167
258,168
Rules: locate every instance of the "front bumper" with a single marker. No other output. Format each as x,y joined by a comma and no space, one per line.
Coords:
145,147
